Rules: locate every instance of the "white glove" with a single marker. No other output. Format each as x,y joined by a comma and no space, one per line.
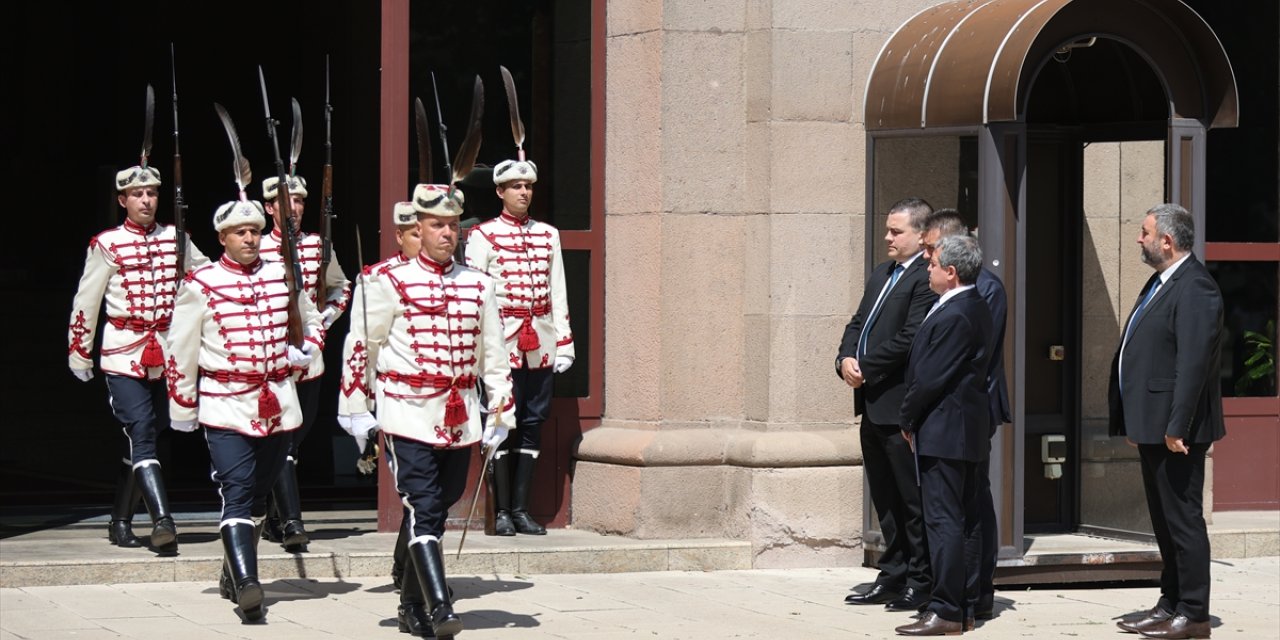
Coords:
493,435
84,375
359,426
328,316
300,358
185,426
562,364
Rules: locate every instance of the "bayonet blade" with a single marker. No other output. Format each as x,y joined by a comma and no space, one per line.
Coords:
328,116
173,74
424,142
444,130
295,144
148,124
266,108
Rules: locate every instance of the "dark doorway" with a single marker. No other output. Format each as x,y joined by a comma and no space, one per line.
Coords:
77,74
1052,337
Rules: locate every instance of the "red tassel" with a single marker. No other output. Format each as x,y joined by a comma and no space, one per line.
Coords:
455,411
528,337
268,403
152,354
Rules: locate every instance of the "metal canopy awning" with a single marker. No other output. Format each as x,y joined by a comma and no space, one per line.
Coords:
973,62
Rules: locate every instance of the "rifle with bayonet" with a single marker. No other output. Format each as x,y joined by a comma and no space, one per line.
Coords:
284,206
326,193
179,202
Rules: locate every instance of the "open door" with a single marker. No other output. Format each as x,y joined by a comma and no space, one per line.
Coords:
1085,114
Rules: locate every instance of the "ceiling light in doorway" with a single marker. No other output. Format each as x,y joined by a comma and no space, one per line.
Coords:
1063,54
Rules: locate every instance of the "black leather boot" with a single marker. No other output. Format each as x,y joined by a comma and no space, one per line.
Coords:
500,477
400,556
120,531
164,534
411,616
288,506
524,522
430,573
270,525
239,543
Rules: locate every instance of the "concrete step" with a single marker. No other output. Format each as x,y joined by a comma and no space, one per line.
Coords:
342,545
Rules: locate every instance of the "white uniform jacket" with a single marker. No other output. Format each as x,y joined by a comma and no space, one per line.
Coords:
432,331
228,365
524,260
338,295
135,271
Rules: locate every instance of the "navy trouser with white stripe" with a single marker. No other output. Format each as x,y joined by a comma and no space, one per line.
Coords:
142,407
429,480
245,469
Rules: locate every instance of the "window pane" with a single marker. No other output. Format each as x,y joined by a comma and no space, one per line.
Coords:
1249,327
941,169
577,279
1240,182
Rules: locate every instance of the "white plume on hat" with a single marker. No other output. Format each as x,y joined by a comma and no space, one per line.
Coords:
238,212
137,176
509,170
435,199
404,214
297,184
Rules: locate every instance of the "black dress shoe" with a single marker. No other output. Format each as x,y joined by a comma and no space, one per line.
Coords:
911,600
878,594
1179,627
931,625
1155,616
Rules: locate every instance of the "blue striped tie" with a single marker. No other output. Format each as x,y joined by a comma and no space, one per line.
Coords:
875,312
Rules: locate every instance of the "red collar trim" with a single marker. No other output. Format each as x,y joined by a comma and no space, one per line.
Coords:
236,267
440,268
133,227
510,219
275,233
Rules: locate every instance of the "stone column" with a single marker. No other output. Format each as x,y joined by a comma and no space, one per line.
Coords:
734,196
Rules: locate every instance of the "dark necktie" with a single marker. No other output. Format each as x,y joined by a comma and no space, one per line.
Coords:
875,311
1152,287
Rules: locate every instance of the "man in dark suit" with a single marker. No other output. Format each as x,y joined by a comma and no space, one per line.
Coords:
946,417
872,360
941,224
1165,398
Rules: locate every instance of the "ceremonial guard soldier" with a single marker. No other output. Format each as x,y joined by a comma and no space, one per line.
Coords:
409,239
231,369
134,269
522,255
284,519
429,329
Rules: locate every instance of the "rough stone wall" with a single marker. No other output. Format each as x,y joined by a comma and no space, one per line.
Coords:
734,211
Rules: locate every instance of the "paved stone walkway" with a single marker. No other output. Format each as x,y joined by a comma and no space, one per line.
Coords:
792,603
